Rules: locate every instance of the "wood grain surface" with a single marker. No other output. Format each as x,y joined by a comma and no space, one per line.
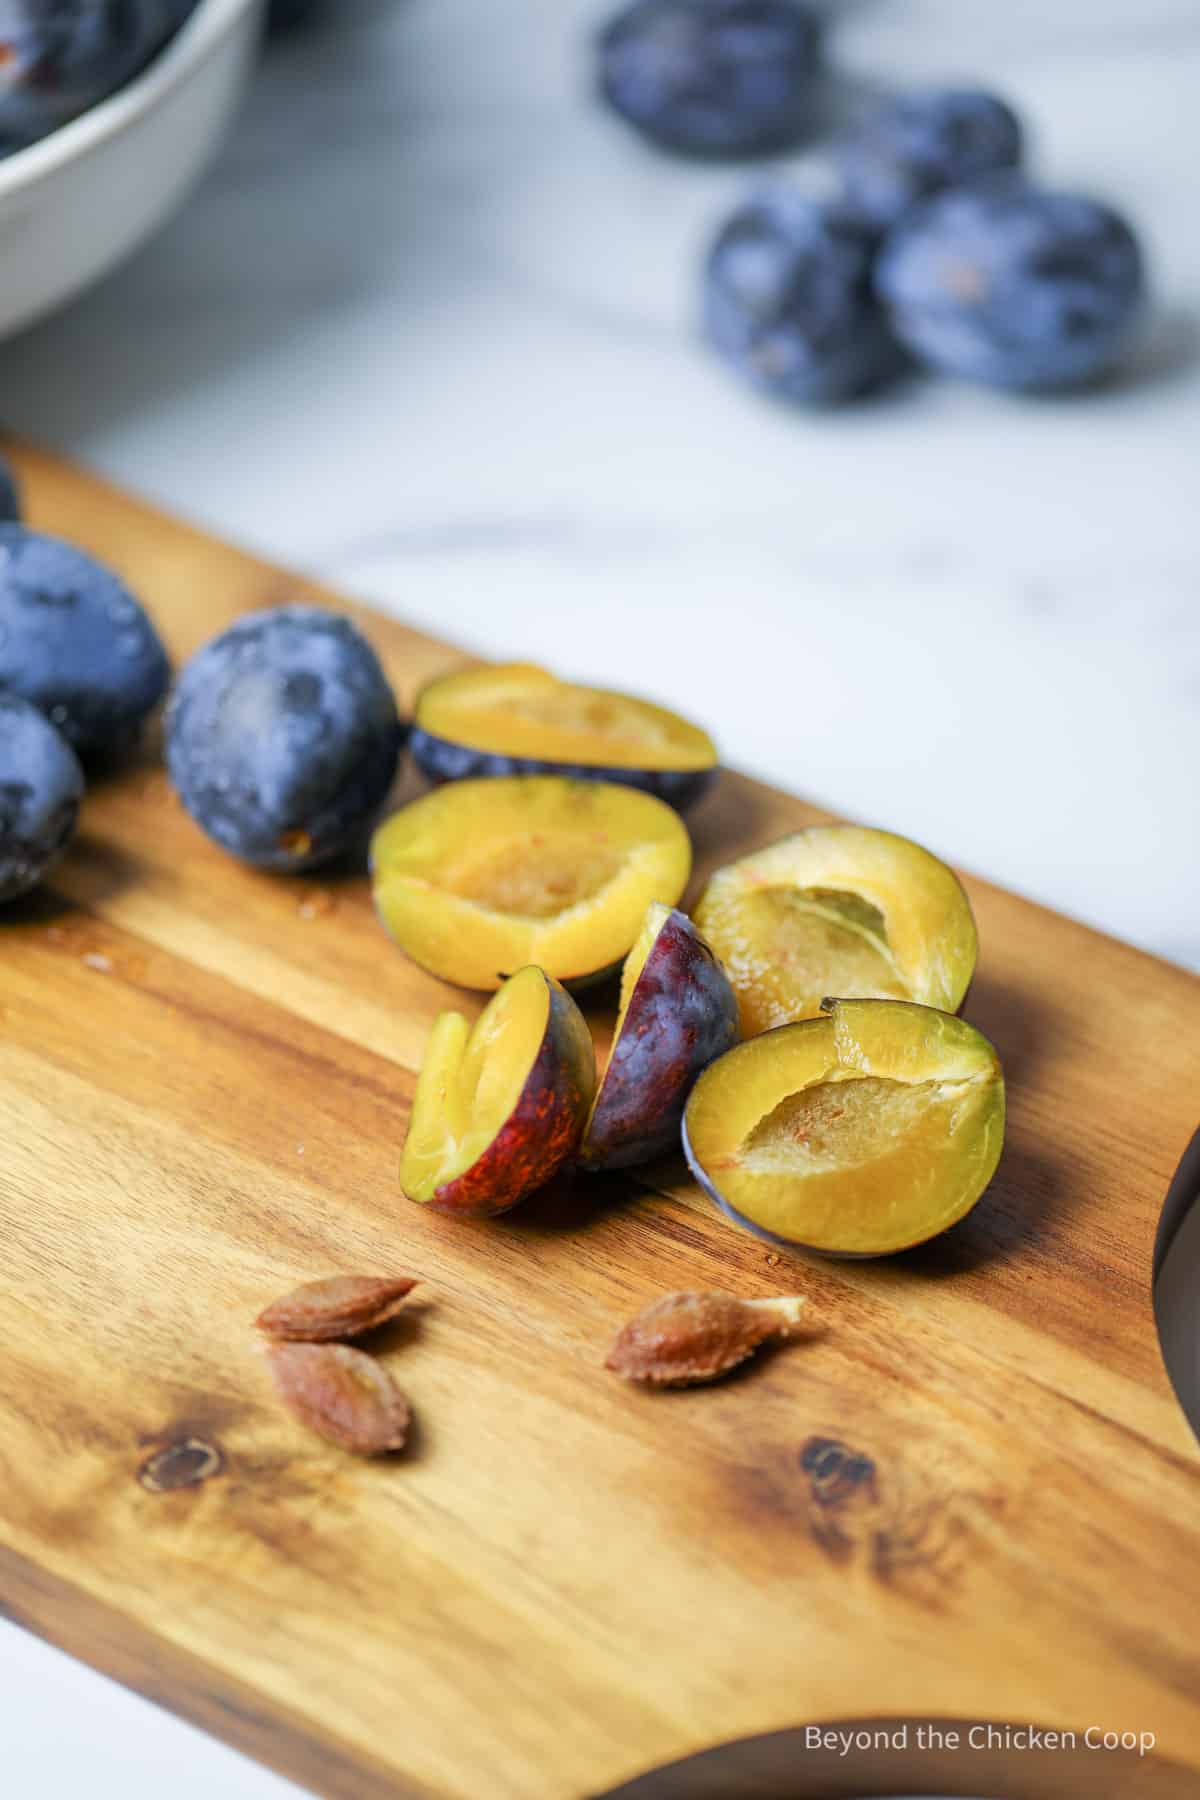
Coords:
970,1496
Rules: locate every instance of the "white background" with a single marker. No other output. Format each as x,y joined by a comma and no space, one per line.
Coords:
428,331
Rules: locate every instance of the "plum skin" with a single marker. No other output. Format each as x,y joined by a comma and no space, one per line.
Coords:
440,760
544,1128
682,1015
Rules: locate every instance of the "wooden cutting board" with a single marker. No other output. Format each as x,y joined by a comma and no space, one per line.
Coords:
972,1496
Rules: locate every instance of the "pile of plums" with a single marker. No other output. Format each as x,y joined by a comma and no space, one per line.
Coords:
936,246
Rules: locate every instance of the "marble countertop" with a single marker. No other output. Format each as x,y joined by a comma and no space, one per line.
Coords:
427,331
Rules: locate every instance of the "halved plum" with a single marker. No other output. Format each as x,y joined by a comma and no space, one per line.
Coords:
499,1108
677,1013
857,1133
838,909
481,877
518,719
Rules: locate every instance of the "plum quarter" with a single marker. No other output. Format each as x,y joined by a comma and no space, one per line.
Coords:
677,1013
499,1109
858,1133
482,877
838,909
517,719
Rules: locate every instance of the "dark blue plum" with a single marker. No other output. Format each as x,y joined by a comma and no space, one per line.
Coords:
75,642
283,737
1013,286
41,787
788,300
919,143
10,496
58,57
712,77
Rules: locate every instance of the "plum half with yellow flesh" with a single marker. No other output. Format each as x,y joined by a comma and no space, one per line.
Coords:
838,909
499,1107
478,878
517,719
677,1013
857,1133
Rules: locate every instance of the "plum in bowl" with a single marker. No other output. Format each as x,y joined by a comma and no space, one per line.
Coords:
838,909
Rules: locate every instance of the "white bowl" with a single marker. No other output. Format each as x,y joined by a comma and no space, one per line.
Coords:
74,204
